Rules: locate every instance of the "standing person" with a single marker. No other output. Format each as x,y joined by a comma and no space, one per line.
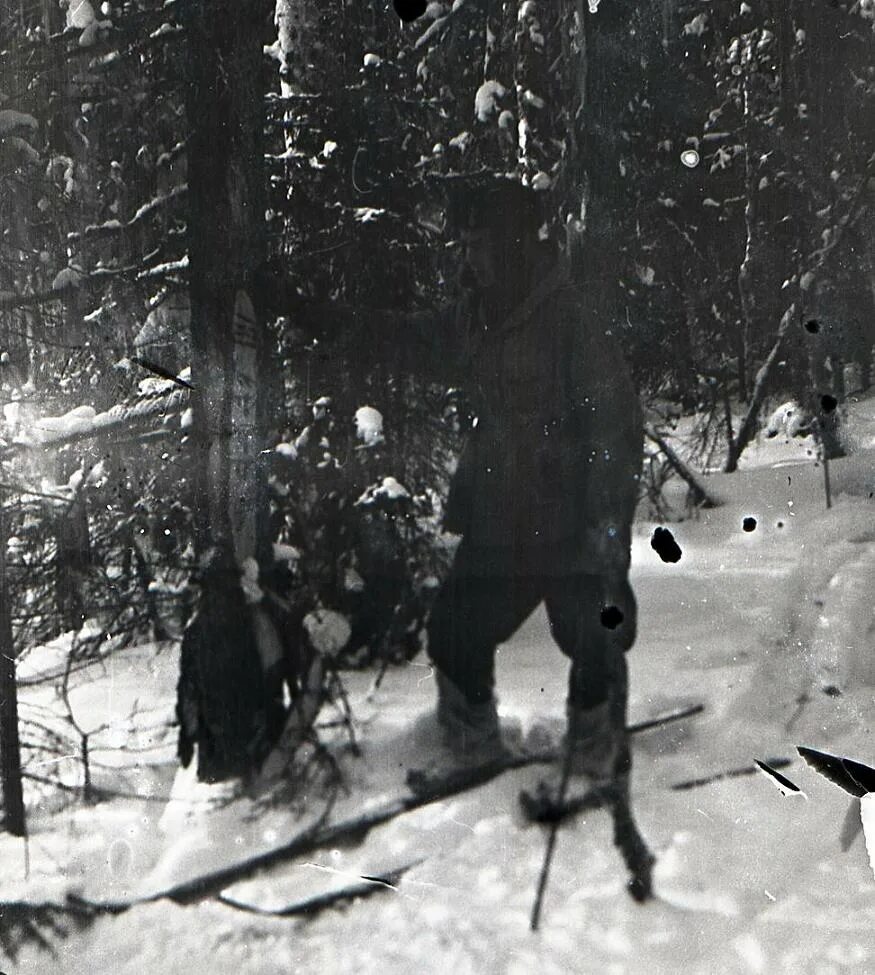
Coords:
546,487
545,490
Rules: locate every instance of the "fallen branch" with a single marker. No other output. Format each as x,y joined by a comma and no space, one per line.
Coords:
701,498
730,774
664,719
40,924
316,903
10,300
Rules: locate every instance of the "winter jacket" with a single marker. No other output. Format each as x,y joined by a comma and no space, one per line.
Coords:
548,480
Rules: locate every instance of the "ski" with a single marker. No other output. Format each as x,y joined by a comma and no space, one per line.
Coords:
458,779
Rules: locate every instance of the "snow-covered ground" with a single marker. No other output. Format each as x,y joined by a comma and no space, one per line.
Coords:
773,630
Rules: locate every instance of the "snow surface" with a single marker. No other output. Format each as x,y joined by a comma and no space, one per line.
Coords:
753,624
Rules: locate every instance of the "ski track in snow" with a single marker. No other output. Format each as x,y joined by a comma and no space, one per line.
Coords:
752,624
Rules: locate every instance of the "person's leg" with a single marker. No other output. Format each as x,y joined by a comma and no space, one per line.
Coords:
593,637
471,616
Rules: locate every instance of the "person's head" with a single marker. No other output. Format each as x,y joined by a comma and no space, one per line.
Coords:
497,222
481,252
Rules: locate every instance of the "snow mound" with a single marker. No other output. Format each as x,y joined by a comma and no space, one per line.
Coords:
842,650
369,425
388,490
286,553
191,800
328,630
10,119
78,420
486,99
788,419
68,277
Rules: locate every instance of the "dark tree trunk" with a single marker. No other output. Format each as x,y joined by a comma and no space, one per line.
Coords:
622,46
10,746
72,562
222,694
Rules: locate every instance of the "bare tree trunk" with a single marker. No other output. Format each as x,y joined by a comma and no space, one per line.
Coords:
817,261
222,700
622,43
747,297
72,561
226,247
760,387
10,746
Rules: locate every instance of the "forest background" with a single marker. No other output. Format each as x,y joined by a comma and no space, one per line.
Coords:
181,184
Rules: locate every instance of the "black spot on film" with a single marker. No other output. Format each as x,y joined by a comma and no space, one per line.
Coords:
410,9
812,326
828,403
612,617
662,542
749,524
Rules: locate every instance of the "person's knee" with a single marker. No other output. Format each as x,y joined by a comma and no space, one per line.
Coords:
451,640
619,614
594,619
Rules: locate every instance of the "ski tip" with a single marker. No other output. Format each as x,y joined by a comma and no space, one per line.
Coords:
839,771
784,785
862,774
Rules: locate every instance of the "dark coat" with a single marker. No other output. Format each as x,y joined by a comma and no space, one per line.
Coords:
548,481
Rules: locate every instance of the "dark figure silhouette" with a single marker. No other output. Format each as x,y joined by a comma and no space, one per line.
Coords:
546,487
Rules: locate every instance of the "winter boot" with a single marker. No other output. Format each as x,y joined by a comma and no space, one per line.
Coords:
470,731
597,744
598,762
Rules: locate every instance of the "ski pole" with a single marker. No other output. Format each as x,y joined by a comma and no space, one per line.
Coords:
551,838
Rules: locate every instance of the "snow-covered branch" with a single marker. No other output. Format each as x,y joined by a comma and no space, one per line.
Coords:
440,25
68,284
167,269
111,227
